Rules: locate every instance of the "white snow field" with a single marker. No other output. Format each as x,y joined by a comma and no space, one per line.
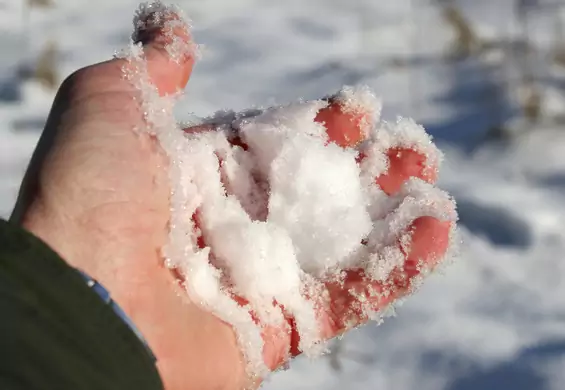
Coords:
495,319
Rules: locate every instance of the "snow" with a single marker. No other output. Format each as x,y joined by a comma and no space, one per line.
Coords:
311,185
495,319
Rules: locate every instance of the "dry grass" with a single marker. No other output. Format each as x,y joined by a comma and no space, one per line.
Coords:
40,3
45,70
531,104
559,56
466,42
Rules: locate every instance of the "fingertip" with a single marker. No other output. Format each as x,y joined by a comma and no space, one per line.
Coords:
403,164
343,127
430,241
168,46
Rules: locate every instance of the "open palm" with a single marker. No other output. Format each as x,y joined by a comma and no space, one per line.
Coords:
97,192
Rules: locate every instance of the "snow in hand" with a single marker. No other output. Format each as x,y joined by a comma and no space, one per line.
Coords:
308,219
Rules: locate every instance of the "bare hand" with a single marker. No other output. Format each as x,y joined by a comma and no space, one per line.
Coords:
97,192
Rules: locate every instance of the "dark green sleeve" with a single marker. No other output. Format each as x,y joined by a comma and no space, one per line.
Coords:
55,333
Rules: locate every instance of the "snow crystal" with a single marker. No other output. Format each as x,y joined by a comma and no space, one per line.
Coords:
360,100
404,133
172,24
264,208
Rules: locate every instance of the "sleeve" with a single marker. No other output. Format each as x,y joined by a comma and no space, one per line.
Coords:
55,333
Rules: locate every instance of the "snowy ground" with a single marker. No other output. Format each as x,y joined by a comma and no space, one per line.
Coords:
493,320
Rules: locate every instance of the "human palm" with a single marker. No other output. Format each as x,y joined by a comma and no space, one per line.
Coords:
97,191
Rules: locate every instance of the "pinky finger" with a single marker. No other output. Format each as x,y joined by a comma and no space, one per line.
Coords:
351,301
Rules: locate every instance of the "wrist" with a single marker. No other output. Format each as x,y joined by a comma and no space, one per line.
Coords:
192,347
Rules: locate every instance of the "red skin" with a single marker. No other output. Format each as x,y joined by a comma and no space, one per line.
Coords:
430,239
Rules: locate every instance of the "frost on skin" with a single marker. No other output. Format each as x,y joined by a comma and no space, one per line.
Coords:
170,20
269,207
282,207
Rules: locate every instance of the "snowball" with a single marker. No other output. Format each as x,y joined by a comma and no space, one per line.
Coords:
312,184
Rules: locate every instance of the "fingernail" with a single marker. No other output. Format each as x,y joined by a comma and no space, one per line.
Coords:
163,26
148,22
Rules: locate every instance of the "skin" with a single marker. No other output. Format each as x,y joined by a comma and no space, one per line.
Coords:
97,192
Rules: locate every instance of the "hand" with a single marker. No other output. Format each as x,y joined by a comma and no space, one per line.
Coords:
97,192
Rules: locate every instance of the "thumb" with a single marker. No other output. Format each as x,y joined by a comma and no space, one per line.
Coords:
86,96
169,50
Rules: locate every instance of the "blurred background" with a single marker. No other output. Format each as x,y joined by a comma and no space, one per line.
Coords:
486,78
